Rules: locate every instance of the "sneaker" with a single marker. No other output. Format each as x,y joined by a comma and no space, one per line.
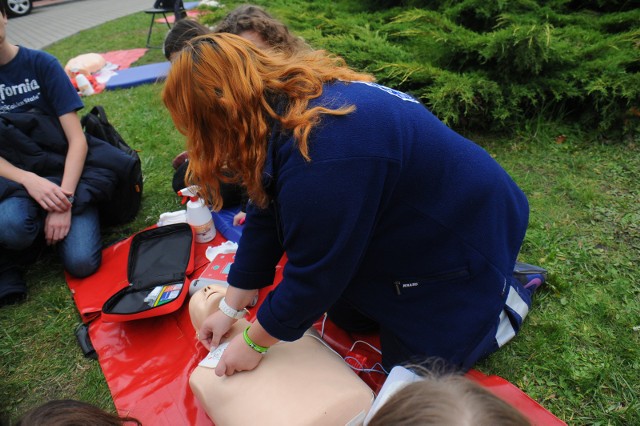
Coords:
530,276
13,288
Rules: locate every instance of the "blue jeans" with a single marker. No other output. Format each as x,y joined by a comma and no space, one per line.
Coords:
22,223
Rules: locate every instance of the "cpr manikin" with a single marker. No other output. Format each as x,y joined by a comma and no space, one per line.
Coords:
302,382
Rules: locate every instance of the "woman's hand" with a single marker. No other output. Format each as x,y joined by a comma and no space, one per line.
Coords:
239,218
57,226
50,196
214,328
237,357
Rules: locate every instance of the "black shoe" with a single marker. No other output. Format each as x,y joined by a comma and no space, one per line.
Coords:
13,288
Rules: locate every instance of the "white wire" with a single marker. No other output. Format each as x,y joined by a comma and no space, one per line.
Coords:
362,367
319,339
324,320
366,343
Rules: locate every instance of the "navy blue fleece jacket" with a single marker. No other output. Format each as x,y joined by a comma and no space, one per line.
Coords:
416,226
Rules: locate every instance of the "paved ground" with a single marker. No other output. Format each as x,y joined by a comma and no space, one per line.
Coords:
53,20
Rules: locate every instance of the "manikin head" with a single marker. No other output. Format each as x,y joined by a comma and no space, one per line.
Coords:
204,302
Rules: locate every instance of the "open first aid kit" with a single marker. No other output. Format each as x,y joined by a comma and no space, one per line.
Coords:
160,260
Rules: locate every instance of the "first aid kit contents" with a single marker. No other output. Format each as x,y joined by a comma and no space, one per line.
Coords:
160,261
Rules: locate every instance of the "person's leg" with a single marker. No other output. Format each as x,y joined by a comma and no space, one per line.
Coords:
507,324
347,317
21,222
178,10
81,250
178,182
393,351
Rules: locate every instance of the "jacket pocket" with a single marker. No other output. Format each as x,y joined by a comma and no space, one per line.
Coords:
413,285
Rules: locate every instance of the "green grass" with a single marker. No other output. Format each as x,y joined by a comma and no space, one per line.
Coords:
579,351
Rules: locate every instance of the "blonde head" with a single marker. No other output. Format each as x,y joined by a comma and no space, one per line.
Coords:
446,400
223,92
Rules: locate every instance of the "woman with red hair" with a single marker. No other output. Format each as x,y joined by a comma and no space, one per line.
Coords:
390,220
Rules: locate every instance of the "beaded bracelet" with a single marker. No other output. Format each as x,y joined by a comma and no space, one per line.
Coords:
252,345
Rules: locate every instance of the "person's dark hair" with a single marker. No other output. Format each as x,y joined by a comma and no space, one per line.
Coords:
446,400
3,11
181,32
249,17
69,412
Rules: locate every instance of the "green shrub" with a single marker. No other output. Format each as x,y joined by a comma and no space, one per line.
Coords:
487,64
539,61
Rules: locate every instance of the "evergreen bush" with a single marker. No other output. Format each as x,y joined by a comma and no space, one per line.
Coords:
488,64
540,61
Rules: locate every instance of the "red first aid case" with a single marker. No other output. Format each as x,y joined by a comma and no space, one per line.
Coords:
160,260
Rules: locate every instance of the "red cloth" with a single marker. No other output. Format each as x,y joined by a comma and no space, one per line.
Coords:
147,363
124,58
191,14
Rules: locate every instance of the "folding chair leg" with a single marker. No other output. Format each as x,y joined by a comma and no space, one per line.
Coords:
153,21
150,29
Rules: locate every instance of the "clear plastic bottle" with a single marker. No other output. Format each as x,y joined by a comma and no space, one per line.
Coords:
84,86
199,217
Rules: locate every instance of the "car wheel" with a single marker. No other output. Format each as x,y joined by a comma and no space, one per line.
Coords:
18,7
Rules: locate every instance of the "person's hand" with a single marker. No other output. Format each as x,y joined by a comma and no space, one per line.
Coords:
237,357
50,196
57,226
214,328
239,218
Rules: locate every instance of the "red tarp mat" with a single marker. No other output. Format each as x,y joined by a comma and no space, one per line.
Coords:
147,363
191,14
124,58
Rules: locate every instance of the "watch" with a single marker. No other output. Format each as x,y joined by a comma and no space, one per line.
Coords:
230,312
71,198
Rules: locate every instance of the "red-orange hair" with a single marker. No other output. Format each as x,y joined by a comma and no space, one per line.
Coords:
221,91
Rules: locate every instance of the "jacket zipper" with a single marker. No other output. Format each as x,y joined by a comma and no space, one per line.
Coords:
441,277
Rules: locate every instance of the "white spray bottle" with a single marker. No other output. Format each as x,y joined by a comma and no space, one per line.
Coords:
84,86
198,215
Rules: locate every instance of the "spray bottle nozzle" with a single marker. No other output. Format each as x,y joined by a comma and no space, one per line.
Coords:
189,193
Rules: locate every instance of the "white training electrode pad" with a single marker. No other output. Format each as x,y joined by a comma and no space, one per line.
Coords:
213,358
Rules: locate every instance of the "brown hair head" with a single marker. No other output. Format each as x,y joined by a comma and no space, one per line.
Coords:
181,32
275,34
69,412
221,91
448,400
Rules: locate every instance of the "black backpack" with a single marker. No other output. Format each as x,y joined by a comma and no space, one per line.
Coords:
127,197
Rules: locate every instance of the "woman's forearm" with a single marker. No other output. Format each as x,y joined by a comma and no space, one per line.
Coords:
238,298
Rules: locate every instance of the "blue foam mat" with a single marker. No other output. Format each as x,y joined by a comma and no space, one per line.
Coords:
136,76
